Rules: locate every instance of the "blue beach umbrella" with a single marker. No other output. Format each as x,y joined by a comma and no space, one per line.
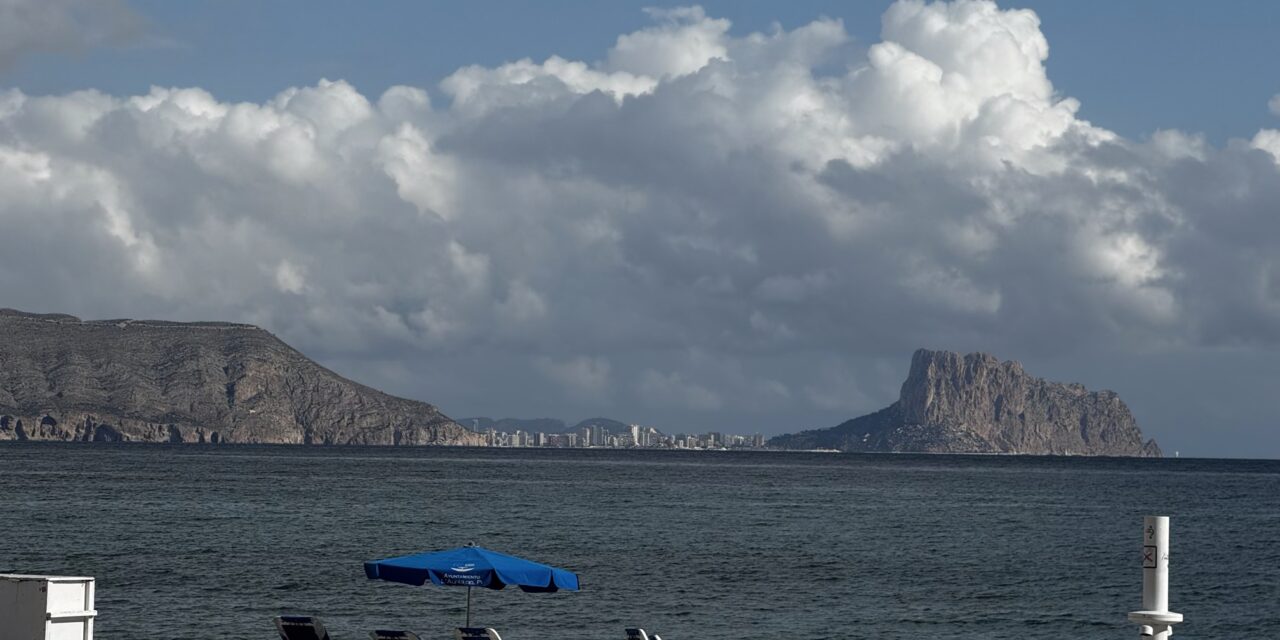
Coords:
471,566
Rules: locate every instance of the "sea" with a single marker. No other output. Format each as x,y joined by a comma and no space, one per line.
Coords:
198,542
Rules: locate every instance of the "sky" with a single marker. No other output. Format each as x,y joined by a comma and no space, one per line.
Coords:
735,216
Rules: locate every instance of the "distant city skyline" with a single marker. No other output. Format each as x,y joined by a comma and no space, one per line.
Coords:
602,433
635,436
733,216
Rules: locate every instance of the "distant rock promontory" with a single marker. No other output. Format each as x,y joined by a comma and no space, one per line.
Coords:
953,403
62,378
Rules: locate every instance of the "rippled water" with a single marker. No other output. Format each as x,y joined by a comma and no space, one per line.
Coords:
211,542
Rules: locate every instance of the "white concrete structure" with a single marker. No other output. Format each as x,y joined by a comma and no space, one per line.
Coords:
46,608
1155,618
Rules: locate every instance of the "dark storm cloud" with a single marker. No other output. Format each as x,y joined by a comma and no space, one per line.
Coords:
55,26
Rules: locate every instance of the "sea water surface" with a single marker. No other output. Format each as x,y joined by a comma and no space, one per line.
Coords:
213,541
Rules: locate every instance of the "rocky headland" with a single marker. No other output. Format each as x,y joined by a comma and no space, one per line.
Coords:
953,403
62,378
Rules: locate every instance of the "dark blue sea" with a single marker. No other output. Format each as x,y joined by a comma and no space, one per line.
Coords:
212,542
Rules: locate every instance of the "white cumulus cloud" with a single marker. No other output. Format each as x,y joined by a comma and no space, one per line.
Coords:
691,188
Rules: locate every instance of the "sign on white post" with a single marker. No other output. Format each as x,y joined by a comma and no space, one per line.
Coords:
1155,620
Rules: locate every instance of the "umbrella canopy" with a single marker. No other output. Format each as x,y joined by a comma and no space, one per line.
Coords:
471,566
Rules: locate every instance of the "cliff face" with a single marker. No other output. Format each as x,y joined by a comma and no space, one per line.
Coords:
976,404
122,380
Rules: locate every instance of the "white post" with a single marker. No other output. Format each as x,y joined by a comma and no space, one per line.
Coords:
1155,619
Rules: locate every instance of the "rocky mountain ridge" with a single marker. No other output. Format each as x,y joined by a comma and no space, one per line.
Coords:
953,403
62,378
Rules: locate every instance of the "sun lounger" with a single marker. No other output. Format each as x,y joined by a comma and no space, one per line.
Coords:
475,633
639,634
391,634
301,628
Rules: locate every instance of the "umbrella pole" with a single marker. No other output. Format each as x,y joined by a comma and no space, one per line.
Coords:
468,607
